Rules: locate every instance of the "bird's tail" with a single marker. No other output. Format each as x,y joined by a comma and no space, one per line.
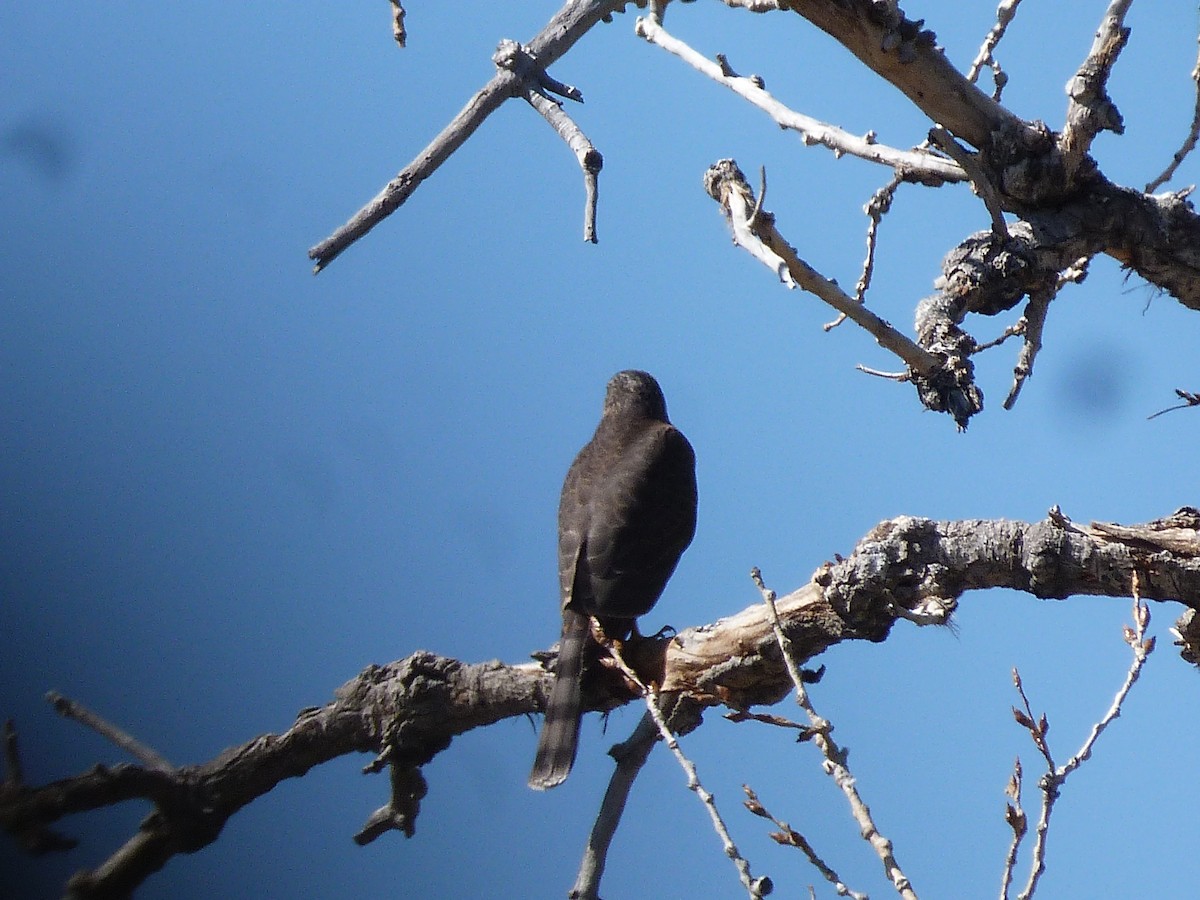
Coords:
560,731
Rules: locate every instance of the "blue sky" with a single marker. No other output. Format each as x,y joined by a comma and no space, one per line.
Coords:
228,486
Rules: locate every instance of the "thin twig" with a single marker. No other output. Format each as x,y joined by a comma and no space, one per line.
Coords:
877,207
1014,815
755,887
1188,398
1189,143
1032,324
916,165
1016,328
1142,647
891,376
72,710
835,756
1051,783
788,836
986,56
980,183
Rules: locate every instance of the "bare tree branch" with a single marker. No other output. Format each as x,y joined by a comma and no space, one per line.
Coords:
131,745
876,208
569,24
979,182
512,56
1005,13
792,838
942,372
414,707
1091,110
1033,322
836,757
1014,815
630,755
1189,398
1189,142
905,54
1051,783
399,32
756,887
913,165
726,184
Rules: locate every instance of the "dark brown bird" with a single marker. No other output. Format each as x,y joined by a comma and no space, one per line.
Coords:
627,513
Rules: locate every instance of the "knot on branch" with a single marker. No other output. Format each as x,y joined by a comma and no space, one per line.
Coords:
423,692
400,812
1026,165
1187,636
986,276
190,821
896,565
522,62
1055,558
900,33
950,387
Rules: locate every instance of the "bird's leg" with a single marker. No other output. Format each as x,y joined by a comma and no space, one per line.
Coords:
664,633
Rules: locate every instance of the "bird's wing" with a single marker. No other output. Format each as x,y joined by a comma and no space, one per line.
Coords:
643,516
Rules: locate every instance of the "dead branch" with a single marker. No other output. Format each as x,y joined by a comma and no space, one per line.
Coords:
567,26
979,182
943,374
1051,783
1189,142
914,165
410,710
1005,13
630,755
757,234
836,764
536,92
399,32
1189,399
1048,181
1091,110
788,836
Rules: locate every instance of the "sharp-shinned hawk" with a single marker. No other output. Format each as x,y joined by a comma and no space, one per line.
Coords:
627,513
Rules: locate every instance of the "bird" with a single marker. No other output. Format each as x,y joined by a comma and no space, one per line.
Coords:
626,514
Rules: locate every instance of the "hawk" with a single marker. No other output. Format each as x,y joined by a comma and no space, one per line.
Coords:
627,513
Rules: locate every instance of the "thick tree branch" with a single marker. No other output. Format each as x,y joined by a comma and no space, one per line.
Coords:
414,707
1023,168
1051,184
905,54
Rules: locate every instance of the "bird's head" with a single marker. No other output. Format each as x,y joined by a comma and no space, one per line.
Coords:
635,393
